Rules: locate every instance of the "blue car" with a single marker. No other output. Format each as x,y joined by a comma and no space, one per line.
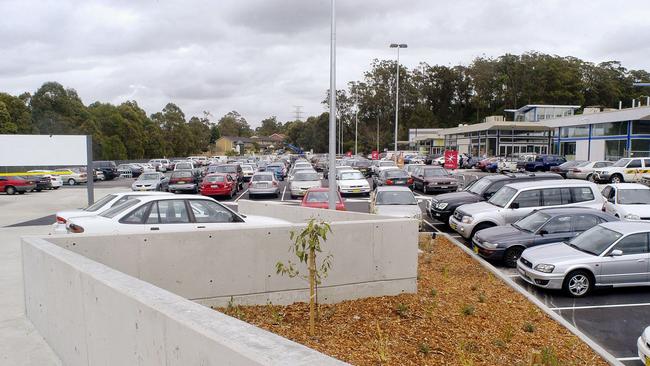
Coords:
277,170
543,163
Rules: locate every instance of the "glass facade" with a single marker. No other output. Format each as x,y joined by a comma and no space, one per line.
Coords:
640,147
641,127
609,129
574,131
568,149
615,149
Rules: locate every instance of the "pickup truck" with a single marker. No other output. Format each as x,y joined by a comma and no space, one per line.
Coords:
543,163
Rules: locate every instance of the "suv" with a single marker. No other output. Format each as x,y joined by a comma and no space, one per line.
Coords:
442,206
109,168
543,163
516,200
624,170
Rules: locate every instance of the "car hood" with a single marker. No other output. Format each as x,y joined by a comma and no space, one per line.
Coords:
556,253
504,234
398,210
640,210
305,183
458,197
478,208
352,182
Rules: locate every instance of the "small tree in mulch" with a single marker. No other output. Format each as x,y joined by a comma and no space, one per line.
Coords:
306,244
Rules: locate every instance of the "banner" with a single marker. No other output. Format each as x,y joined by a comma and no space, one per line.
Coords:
451,159
375,155
348,154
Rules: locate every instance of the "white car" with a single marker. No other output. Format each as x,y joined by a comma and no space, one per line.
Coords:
352,181
55,180
302,181
382,164
628,201
585,170
97,208
395,201
624,170
248,171
72,176
643,345
160,214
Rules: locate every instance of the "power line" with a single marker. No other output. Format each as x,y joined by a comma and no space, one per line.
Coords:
297,112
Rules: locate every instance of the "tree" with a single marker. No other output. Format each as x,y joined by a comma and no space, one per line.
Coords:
199,133
175,130
19,113
233,124
56,110
268,127
214,134
6,124
113,149
306,244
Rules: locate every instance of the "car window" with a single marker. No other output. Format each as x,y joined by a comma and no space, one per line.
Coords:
211,212
633,244
170,212
581,194
99,204
137,216
493,188
115,210
646,162
636,163
606,191
560,224
556,196
530,198
585,222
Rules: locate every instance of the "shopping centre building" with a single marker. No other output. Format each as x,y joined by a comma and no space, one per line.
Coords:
595,134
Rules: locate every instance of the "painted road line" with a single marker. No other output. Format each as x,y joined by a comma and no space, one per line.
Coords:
600,306
431,226
623,359
243,193
283,192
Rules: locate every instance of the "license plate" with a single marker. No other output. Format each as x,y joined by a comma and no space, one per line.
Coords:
475,249
214,186
647,361
356,190
443,187
181,182
263,185
452,225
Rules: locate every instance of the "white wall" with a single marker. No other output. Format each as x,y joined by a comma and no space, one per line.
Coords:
582,150
93,315
39,150
597,150
298,214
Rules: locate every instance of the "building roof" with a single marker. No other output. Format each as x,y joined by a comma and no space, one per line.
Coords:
528,107
525,126
628,114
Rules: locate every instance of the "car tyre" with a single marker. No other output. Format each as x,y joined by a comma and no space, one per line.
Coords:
21,192
578,283
71,182
512,255
616,178
590,178
10,190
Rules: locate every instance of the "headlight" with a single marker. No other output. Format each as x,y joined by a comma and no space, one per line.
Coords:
467,219
632,217
546,268
489,245
441,205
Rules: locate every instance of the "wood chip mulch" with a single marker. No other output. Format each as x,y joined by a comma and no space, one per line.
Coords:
461,315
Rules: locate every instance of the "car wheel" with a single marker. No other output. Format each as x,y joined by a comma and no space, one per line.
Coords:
616,178
578,283
21,192
590,177
55,188
10,190
511,256
71,182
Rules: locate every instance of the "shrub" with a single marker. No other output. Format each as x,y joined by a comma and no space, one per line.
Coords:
468,310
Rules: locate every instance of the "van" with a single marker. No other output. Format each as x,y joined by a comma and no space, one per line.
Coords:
516,200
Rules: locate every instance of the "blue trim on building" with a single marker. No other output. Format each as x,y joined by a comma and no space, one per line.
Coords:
628,145
589,143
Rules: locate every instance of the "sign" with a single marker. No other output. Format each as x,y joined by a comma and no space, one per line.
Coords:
451,159
375,155
43,150
348,154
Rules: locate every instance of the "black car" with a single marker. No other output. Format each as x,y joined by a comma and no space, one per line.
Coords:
392,177
42,182
442,206
506,243
362,165
109,168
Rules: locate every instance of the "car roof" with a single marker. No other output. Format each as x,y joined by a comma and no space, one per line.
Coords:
392,189
148,198
628,186
551,183
627,227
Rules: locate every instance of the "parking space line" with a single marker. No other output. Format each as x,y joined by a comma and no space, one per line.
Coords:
432,226
283,192
243,193
599,306
629,358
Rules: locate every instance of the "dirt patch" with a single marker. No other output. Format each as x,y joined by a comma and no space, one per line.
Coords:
461,315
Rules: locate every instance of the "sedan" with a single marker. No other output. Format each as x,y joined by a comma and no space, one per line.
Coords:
55,180
12,185
352,181
506,243
612,254
151,182
183,181
263,184
393,177
302,182
585,170
218,184
434,179
395,202
72,176
629,201
319,198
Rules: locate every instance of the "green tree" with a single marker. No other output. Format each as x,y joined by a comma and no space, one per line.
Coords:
113,149
6,122
233,124
200,133
268,127
19,113
214,134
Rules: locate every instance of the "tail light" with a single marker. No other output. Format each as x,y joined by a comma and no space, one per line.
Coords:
82,175
60,220
389,181
576,170
75,229
275,183
410,181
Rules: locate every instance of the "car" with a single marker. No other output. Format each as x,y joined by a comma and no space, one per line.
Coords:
508,165
643,346
98,175
302,181
109,168
184,181
127,170
234,170
611,254
151,182
101,205
166,214
377,164
198,160
395,201
72,176
15,184
410,168
295,170
55,180
629,201
263,184
543,163
516,200
162,165
319,198
624,170
42,182
506,243
564,168
218,184
247,172
442,206
277,170
392,177
434,179
184,165
362,165
350,181
585,170
483,163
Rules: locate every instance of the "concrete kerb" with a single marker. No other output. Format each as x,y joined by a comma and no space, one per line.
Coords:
555,316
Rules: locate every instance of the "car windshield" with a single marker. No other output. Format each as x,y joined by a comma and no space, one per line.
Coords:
621,163
633,196
181,174
318,197
437,172
532,222
215,178
503,196
395,198
114,211
183,166
351,176
149,176
361,163
247,168
387,163
226,169
595,240
396,174
584,163
479,186
305,177
99,204
262,178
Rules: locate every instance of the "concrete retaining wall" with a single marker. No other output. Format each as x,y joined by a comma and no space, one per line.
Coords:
91,314
299,214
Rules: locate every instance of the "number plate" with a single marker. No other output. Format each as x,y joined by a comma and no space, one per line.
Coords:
475,248
263,185
214,186
181,182
452,225
356,190
443,187
647,361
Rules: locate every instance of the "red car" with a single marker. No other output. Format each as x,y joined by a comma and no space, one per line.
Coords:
11,185
218,184
484,163
319,198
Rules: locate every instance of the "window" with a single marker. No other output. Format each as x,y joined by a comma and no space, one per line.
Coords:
640,147
581,194
560,224
633,244
641,127
615,149
99,204
171,212
609,129
529,198
137,216
606,192
568,149
636,163
602,164
574,131
585,222
211,212
557,196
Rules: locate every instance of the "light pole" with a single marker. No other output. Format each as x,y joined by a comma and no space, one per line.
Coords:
398,46
356,124
332,132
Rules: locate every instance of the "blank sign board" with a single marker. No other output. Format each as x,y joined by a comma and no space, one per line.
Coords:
38,150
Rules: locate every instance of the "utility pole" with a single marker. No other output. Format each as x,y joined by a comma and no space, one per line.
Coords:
297,112
331,177
356,124
398,46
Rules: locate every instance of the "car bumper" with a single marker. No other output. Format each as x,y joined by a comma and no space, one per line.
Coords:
215,191
182,187
643,350
439,188
298,192
272,190
465,230
354,190
143,189
440,215
570,175
487,253
602,178
540,279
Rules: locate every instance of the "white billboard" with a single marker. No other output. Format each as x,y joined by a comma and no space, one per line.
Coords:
40,150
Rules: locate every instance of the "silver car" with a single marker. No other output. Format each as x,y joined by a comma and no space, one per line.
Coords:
612,254
151,182
263,184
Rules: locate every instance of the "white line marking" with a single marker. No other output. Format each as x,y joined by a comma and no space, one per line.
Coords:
432,226
600,306
243,193
283,192
629,358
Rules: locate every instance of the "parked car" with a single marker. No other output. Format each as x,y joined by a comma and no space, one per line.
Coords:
218,184
14,184
234,170
42,182
108,168
151,182
624,170
72,176
550,225
543,163
350,181
101,205
162,165
585,170
55,180
629,201
278,168
319,198
377,164
126,170
564,168
525,159
410,168
263,184
434,179
302,182
483,164
247,172
162,214
362,165
508,165
643,346
392,177
612,254
516,200
442,206
184,181
395,201
184,165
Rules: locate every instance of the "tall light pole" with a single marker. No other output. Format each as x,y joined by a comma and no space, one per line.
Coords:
398,46
331,177
356,124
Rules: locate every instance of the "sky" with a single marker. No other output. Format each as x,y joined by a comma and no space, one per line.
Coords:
263,57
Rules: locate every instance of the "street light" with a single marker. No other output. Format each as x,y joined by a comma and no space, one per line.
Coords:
356,124
398,46
332,132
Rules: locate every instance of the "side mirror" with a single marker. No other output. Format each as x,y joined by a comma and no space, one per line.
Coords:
514,205
616,253
542,232
610,200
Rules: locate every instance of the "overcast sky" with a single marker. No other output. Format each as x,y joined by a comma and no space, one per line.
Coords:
262,57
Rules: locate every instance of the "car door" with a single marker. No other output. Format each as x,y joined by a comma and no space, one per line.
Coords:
168,216
609,193
555,230
525,203
633,170
631,266
208,214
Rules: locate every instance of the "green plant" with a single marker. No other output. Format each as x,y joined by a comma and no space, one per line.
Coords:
481,297
468,310
499,343
381,345
445,272
508,333
528,327
402,310
306,244
433,292
424,348
549,358
234,310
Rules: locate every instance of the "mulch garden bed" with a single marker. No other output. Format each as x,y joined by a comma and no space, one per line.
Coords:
461,315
